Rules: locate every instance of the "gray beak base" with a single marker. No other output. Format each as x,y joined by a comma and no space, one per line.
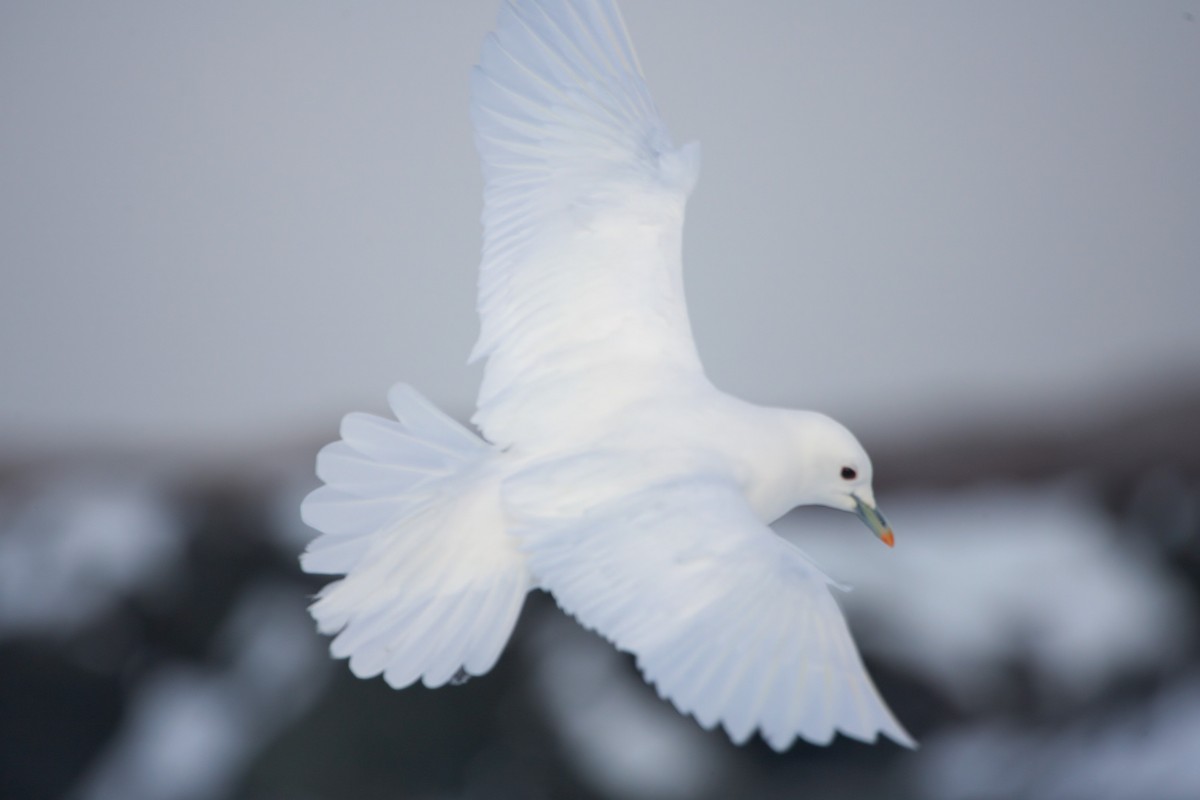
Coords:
874,520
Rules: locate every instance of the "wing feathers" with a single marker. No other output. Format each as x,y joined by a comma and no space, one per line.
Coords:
582,216
730,622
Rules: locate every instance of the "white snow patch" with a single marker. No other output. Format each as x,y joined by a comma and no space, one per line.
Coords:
76,547
622,741
1150,752
192,730
980,580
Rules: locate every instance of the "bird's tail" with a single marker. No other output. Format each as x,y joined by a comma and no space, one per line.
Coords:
410,515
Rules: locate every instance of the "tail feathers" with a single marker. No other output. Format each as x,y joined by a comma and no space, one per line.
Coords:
410,515
428,423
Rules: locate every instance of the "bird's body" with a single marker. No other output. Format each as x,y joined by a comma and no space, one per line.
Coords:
611,472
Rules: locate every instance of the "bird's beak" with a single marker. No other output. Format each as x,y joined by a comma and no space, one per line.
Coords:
874,520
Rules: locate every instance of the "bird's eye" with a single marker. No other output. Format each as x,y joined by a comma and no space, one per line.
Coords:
849,473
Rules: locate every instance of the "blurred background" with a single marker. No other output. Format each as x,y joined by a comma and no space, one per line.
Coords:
969,231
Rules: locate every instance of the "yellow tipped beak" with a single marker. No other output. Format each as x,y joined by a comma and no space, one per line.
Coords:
875,521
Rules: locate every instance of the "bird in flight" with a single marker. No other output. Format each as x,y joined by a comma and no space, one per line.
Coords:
608,470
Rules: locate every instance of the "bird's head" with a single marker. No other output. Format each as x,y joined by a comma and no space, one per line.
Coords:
837,472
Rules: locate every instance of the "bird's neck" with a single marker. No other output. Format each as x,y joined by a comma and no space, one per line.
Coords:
769,446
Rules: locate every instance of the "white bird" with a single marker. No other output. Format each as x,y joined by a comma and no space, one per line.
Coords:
611,472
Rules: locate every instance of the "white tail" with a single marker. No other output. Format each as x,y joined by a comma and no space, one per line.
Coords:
410,515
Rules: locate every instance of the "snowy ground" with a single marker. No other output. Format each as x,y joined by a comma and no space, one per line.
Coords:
1037,645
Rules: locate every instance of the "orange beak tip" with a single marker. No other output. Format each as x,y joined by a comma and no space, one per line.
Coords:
888,538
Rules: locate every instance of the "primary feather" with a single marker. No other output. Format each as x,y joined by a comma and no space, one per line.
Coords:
581,284
612,473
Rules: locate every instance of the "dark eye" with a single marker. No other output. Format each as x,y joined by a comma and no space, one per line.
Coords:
848,473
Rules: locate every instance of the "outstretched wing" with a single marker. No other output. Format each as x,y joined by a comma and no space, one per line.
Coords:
580,287
730,622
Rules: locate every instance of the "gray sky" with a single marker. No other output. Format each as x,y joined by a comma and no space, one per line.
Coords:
223,224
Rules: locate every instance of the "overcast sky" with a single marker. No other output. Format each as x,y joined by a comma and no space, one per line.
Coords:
223,225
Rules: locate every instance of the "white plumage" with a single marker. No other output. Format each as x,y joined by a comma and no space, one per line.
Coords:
612,473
